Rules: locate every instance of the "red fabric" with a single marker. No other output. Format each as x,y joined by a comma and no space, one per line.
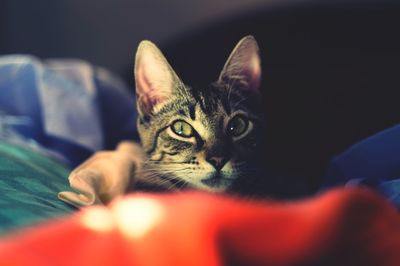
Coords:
342,227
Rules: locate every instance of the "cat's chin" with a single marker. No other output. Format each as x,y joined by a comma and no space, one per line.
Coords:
210,182
216,182
213,184
215,189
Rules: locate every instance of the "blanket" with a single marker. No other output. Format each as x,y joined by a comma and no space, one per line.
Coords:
351,226
65,106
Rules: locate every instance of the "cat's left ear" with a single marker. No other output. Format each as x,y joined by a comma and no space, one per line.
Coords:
243,65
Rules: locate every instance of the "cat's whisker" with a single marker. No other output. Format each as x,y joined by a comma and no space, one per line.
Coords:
183,183
172,163
179,184
158,170
156,179
171,186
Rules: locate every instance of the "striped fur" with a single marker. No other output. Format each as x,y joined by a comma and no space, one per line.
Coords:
212,159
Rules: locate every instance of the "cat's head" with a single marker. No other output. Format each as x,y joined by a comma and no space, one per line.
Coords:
204,138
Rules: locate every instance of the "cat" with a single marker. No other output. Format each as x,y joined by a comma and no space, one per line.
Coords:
205,138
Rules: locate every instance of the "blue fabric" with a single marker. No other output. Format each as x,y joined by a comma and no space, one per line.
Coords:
66,106
373,162
53,115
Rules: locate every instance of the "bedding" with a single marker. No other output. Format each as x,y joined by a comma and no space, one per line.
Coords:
372,162
53,115
66,106
27,184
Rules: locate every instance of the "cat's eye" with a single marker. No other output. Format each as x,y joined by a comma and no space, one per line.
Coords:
183,129
237,126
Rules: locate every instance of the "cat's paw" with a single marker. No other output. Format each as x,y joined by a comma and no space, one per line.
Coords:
104,176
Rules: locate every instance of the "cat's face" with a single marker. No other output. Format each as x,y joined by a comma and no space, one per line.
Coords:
202,138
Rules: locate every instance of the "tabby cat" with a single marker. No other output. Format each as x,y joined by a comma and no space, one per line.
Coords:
203,138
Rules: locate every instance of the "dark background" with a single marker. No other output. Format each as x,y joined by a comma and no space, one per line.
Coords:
330,68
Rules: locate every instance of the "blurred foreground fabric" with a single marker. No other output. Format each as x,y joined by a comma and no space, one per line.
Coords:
342,227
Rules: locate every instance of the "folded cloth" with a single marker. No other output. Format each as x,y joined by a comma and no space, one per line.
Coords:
66,106
372,162
341,227
104,176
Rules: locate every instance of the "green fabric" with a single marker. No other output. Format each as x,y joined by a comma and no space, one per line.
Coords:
29,183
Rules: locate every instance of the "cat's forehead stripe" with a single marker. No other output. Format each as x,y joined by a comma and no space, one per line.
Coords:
201,123
192,112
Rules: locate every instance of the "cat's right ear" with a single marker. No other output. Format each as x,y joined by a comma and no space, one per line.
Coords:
155,79
243,66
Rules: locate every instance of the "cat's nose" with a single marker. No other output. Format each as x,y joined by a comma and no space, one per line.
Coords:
217,162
